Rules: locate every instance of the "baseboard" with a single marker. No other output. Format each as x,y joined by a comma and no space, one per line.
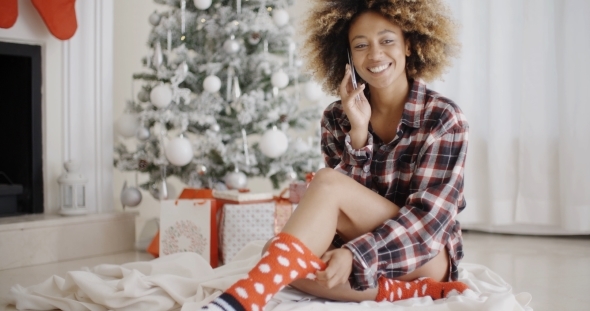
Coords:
40,239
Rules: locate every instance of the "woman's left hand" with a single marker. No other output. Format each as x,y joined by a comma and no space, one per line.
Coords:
339,267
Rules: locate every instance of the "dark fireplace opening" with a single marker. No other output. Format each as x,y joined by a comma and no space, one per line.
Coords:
21,167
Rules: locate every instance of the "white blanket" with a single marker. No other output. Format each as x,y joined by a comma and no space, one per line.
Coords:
185,281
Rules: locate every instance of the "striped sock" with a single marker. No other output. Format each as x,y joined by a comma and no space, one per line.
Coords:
286,260
393,290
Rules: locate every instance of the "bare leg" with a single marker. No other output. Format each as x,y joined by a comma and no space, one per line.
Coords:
333,203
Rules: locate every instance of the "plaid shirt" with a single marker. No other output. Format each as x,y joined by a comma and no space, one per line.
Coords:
420,170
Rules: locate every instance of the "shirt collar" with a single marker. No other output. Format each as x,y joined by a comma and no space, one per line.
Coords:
414,107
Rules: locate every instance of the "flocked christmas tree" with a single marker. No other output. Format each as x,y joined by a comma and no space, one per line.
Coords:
219,98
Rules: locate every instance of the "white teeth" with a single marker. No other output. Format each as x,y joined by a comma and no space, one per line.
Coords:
378,69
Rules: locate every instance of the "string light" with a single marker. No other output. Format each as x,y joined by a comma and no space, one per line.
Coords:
269,9
203,20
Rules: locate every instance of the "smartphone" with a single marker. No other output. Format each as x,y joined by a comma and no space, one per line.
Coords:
352,74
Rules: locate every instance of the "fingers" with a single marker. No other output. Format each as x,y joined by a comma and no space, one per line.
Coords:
345,81
330,277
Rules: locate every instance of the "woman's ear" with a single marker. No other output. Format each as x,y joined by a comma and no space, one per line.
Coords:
408,51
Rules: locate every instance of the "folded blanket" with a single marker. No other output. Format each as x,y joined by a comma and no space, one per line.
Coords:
185,281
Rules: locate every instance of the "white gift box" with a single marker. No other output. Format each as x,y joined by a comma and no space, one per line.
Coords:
244,223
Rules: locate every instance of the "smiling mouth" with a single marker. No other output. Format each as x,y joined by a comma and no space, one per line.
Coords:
379,69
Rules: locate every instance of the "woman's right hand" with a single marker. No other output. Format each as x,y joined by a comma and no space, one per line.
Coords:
358,112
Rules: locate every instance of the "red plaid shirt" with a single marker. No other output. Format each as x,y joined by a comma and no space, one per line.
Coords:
420,170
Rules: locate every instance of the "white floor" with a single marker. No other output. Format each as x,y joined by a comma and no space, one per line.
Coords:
555,270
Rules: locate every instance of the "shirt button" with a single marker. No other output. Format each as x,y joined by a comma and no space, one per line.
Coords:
366,168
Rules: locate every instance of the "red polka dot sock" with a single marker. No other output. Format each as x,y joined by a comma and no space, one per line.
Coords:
285,261
393,290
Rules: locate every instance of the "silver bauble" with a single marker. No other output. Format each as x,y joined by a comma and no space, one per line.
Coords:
201,169
143,134
154,190
143,96
236,180
254,38
154,18
130,197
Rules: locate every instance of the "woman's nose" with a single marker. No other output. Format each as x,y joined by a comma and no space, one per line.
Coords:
375,52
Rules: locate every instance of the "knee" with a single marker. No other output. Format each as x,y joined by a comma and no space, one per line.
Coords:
326,178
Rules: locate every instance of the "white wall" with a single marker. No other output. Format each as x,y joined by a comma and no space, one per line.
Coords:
76,98
130,45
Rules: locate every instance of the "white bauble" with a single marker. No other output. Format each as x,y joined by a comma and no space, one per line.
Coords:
143,134
179,151
154,18
300,146
231,46
236,180
127,125
312,91
202,4
212,84
280,17
130,197
273,143
279,79
161,96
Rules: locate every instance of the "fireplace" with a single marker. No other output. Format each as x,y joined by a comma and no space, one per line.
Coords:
21,166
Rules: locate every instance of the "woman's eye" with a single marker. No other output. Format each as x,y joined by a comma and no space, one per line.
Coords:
388,41
360,46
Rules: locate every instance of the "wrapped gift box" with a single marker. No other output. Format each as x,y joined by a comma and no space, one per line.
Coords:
244,223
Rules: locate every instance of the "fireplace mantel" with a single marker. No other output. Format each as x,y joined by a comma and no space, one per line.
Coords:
77,99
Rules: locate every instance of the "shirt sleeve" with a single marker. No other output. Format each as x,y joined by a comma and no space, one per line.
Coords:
423,225
338,152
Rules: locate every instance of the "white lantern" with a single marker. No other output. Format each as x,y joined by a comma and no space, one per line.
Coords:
72,186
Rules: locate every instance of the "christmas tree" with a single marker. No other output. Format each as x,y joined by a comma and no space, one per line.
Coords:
219,98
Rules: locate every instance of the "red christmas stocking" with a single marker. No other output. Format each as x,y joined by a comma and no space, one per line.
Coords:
59,16
8,13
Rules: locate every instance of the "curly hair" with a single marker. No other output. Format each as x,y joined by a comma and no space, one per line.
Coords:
425,23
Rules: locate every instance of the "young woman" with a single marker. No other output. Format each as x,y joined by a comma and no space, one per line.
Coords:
379,222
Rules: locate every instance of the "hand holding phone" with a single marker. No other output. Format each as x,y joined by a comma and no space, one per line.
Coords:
352,74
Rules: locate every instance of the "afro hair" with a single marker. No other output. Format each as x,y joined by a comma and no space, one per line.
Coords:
426,24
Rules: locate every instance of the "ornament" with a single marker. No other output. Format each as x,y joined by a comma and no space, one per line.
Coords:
236,180
130,196
143,134
312,91
279,79
300,146
231,46
154,190
273,143
212,84
179,151
254,38
280,17
202,4
201,169
127,125
158,56
154,18
291,175
143,96
142,164
161,96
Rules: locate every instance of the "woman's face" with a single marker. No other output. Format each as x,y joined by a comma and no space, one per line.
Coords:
379,50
